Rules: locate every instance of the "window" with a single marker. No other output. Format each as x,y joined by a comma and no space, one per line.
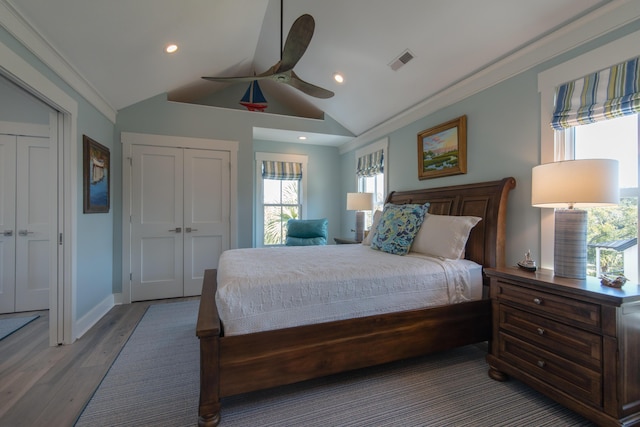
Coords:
371,165
612,231
569,144
281,184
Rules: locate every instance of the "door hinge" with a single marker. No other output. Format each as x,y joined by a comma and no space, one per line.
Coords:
130,161
130,276
60,239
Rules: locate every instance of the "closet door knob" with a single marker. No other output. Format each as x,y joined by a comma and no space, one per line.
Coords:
24,232
7,233
177,230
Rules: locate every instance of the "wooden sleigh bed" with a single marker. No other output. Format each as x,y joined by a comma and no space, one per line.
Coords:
231,365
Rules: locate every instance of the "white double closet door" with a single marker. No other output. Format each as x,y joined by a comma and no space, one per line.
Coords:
179,219
26,198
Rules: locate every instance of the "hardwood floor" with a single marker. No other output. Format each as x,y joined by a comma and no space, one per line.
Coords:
42,385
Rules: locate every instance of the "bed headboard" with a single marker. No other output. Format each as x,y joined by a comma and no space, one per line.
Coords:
488,200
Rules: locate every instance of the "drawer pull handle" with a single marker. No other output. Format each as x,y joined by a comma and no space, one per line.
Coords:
541,363
540,331
537,301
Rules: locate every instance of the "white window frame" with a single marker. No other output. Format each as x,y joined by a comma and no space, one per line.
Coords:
553,144
382,144
258,235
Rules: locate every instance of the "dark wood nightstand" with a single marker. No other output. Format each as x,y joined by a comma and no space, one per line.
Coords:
576,341
344,241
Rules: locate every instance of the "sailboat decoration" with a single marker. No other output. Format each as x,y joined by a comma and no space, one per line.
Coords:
253,98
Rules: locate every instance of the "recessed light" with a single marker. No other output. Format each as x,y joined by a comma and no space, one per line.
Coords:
171,48
302,138
338,77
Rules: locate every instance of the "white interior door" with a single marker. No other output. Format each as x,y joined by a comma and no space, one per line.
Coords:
26,226
156,223
180,218
33,223
206,214
7,223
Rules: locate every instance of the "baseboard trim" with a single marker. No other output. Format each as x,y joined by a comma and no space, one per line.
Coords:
94,315
118,298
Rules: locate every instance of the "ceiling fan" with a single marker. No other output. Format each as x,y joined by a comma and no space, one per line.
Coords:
296,44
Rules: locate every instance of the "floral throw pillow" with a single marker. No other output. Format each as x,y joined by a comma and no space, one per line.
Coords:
397,227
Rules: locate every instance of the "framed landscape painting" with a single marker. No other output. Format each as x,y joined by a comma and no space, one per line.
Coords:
442,149
96,173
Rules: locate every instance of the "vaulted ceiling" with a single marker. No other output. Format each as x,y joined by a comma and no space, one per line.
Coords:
117,46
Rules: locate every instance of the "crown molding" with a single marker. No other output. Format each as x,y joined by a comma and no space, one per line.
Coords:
30,38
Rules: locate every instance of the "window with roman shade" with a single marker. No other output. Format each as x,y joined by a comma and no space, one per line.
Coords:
284,171
280,196
596,116
569,143
606,94
370,174
370,164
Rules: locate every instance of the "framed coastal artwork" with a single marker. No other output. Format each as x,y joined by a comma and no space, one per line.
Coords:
442,149
96,173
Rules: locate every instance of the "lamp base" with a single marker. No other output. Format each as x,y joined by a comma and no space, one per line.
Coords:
570,244
359,226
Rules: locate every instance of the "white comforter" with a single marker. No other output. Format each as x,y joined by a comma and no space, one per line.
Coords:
271,288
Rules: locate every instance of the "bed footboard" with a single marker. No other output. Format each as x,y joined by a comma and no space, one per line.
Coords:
208,331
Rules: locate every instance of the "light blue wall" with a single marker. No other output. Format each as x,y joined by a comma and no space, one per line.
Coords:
95,242
94,238
17,105
503,139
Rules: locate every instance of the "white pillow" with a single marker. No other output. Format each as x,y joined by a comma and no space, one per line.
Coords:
374,225
444,236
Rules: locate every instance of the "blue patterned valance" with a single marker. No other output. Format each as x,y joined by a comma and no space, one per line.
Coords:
284,171
371,164
606,94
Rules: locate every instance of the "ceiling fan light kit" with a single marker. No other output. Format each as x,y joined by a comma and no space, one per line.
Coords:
296,44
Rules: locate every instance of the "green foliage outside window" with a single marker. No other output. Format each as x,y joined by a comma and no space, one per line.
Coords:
609,224
284,207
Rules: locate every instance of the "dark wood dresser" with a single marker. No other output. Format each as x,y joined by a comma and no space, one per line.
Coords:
576,341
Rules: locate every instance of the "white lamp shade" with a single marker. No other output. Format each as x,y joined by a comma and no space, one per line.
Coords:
575,183
359,201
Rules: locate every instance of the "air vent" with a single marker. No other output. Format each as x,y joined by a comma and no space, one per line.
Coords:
401,60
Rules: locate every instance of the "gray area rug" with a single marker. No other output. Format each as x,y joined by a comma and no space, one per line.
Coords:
11,324
154,381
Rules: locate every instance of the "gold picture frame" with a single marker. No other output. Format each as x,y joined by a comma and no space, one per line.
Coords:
442,149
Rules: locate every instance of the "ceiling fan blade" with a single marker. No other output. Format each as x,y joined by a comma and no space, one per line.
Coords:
297,42
308,88
233,79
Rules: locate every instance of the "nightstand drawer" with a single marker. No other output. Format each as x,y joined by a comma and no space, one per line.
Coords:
578,381
581,346
580,313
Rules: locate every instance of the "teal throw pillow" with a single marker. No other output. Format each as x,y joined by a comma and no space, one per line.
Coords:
398,226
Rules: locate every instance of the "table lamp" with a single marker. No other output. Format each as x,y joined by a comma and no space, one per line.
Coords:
567,186
359,202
